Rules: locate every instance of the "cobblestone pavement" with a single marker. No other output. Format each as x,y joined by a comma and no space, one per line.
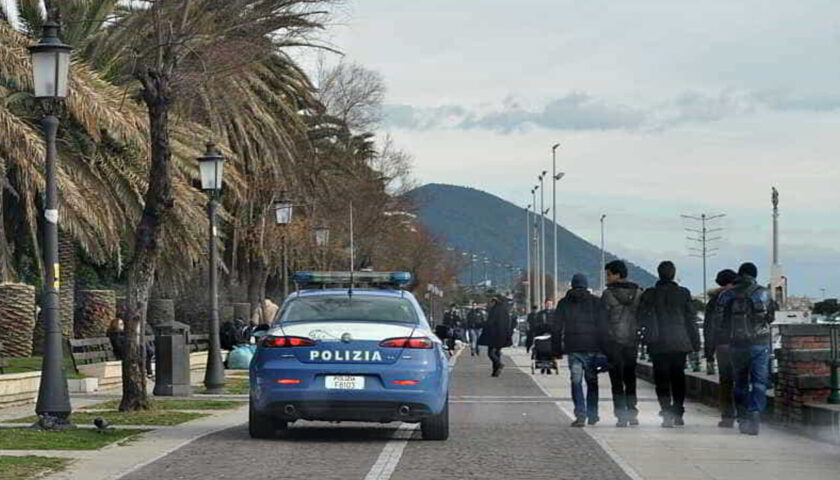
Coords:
501,428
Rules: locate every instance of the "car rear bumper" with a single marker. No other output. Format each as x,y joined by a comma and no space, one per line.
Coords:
374,405
347,411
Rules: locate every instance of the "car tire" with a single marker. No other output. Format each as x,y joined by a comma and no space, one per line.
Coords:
263,426
436,427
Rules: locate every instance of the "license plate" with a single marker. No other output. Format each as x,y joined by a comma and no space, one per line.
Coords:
345,382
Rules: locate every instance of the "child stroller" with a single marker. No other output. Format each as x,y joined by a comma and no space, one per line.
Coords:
542,355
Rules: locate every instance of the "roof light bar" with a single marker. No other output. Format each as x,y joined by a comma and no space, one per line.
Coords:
396,279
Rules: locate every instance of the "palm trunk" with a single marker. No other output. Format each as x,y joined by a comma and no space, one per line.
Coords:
147,249
257,276
6,271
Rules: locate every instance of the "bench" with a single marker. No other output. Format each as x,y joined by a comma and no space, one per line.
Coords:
88,351
199,343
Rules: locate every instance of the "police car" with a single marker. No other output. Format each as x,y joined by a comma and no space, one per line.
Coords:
343,353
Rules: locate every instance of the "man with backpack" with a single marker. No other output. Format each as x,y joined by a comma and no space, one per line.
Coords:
621,300
716,346
670,332
580,331
747,312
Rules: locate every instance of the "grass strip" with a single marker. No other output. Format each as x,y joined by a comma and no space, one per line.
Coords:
163,418
235,386
26,438
179,404
20,468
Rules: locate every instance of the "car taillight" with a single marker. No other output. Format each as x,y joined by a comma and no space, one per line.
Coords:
405,383
284,342
407,342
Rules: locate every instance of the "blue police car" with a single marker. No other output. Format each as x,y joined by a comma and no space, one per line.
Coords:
343,353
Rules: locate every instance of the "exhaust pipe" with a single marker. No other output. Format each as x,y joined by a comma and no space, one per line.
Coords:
290,410
404,410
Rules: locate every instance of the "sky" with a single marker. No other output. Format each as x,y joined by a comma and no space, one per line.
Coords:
661,107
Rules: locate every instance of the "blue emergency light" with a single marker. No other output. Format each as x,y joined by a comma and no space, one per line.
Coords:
394,279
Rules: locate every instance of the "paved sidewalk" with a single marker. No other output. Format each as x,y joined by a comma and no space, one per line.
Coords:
700,450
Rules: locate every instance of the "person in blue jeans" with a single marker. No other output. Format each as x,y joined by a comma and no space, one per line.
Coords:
579,330
747,312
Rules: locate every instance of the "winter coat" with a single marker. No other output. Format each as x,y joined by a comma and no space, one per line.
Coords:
668,320
713,335
746,312
475,319
498,331
621,299
580,323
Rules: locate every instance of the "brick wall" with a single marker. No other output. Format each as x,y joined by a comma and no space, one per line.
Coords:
803,374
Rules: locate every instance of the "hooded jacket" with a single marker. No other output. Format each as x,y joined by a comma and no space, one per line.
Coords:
621,299
668,319
713,335
579,323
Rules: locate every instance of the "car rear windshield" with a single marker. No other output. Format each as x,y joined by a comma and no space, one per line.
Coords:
343,308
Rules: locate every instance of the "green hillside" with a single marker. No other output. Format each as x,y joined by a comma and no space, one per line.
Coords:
469,219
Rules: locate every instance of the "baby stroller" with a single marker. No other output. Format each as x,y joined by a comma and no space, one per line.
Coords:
542,355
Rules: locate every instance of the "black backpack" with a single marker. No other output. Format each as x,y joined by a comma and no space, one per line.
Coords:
747,317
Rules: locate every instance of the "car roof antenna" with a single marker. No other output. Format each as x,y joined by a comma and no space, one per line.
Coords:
352,254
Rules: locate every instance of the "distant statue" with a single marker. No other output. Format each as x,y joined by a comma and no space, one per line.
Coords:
775,198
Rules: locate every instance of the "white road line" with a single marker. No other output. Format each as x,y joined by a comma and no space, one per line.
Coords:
623,464
391,454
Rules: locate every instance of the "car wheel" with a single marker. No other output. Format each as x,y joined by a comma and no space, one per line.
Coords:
437,426
263,426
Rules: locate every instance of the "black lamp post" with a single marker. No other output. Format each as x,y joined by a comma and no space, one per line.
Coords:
211,166
50,71
283,210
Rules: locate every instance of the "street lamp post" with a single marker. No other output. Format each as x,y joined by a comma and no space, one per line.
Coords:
50,72
536,256
211,167
528,299
283,210
554,212
543,293
603,256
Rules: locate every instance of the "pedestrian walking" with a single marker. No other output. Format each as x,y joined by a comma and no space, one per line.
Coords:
670,331
716,347
748,312
475,323
532,320
580,332
497,333
621,300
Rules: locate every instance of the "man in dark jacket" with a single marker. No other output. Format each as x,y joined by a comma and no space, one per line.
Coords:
747,312
716,346
532,321
497,333
475,322
621,300
580,332
671,333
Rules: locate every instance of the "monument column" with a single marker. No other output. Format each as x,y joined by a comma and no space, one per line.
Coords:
778,280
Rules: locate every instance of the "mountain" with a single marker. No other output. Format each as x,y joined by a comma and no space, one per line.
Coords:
476,221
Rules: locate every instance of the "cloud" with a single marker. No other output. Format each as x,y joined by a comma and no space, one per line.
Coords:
581,111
